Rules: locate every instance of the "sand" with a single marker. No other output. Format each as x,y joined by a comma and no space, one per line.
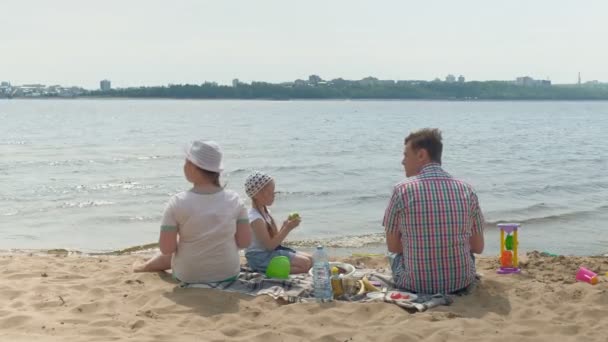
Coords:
98,298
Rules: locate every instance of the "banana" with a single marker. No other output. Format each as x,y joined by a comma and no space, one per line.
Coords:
369,286
361,287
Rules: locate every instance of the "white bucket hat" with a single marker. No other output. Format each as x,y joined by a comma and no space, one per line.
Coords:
256,182
205,154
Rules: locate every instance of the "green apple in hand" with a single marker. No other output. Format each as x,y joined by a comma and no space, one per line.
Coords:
293,216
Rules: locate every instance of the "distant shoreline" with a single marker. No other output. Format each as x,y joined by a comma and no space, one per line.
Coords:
315,88
111,98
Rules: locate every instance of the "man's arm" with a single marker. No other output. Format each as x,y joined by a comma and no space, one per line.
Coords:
393,218
393,241
476,240
477,243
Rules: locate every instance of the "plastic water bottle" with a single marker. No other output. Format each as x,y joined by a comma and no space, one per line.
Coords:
320,275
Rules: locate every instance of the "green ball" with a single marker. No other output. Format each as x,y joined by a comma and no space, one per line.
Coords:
279,267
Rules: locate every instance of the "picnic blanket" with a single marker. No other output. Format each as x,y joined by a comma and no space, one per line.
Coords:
299,289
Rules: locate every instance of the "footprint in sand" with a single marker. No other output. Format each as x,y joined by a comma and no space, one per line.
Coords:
138,324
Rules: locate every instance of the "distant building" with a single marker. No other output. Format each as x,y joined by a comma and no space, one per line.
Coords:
450,78
413,82
339,82
105,85
386,82
524,81
460,79
369,81
314,79
5,89
530,82
235,82
33,86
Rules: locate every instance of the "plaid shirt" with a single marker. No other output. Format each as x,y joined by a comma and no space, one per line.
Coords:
436,215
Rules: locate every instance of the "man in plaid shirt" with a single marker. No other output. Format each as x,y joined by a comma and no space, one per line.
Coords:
433,222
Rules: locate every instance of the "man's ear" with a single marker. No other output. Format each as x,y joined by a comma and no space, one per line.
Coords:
422,154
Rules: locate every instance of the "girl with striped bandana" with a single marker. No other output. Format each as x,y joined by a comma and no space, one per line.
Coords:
267,238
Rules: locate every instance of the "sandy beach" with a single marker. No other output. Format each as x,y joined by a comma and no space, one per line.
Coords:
98,298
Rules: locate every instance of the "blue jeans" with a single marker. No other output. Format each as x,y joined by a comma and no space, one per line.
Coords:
258,260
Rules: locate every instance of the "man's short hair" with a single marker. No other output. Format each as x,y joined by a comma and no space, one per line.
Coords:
428,139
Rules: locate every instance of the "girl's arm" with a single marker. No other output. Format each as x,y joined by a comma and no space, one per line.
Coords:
270,243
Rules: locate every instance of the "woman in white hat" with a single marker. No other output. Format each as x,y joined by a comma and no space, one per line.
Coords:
267,238
203,228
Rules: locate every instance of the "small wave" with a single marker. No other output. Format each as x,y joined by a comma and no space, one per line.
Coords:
300,167
82,162
317,194
15,142
527,210
239,171
353,241
127,185
576,188
148,157
337,153
82,188
365,198
303,193
560,189
86,204
71,162
123,219
23,237
144,218
550,218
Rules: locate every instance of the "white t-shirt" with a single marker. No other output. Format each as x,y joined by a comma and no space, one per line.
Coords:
206,225
254,214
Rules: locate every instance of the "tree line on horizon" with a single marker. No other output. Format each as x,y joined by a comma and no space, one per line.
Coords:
473,90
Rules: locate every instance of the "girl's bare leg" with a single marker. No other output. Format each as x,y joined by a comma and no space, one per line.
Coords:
300,263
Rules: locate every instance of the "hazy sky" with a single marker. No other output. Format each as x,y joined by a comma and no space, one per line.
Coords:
190,41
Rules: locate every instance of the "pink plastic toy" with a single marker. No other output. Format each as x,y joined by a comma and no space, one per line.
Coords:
586,275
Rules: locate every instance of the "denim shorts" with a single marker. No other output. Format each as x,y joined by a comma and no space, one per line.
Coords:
258,260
